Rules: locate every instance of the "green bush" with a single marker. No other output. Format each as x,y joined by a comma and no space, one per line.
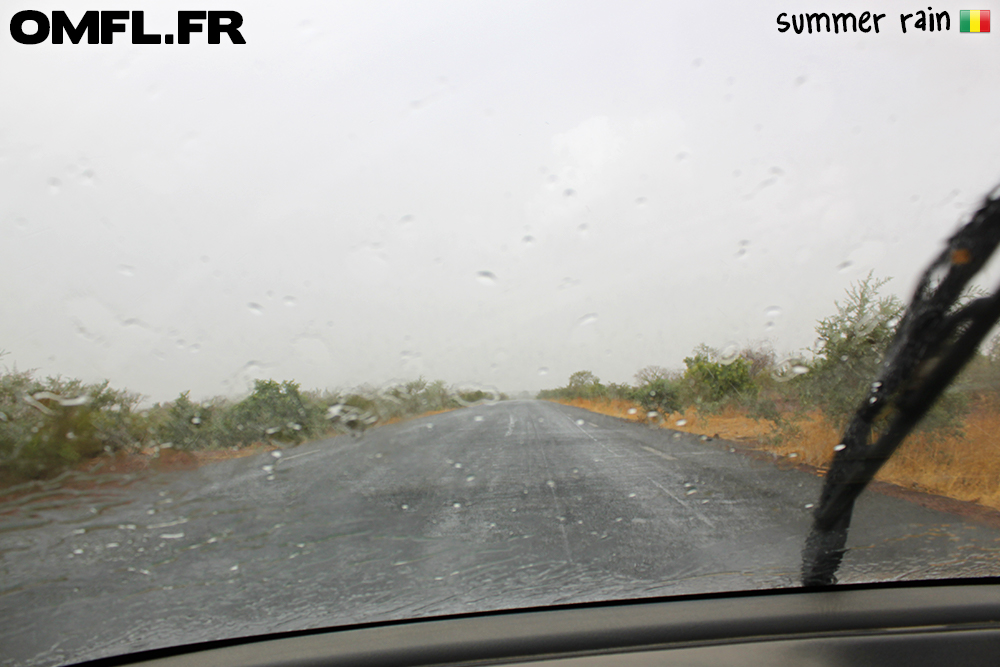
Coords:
188,426
274,411
661,395
711,381
47,426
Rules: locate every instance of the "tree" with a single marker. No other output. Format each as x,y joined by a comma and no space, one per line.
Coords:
761,357
851,344
582,379
649,374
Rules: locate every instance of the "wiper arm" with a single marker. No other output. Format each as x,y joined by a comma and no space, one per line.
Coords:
935,338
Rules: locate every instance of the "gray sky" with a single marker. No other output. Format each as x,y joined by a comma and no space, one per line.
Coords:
492,192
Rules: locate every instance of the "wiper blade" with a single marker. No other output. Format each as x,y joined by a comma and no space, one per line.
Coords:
937,335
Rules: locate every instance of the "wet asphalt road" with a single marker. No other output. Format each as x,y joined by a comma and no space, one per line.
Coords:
521,503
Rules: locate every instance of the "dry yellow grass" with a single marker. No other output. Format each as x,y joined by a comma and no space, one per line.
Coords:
615,408
965,467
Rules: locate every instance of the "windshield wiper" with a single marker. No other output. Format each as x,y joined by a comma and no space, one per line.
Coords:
937,335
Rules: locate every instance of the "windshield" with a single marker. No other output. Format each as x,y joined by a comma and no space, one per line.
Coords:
317,314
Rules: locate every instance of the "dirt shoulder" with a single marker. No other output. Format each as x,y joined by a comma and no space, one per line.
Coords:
958,473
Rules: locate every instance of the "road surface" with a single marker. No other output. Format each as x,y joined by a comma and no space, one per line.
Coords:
521,503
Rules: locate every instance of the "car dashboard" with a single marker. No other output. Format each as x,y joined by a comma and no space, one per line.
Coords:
909,624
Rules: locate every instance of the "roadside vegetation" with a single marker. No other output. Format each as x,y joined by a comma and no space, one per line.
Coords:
796,408
51,425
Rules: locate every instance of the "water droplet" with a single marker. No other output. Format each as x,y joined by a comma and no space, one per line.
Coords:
456,505
255,308
126,270
579,422
632,411
631,495
195,420
876,386
569,192
470,478
276,454
640,201
867,324
793,455
589,318
809,506
268,469
681,422
772,312
404,507
845,266
681,156
789,369
528,239
82,399
272,430
54,186
289,301
691,492
543,370
478,418
652,414
729,354
839,448
171,536
486,277
458,466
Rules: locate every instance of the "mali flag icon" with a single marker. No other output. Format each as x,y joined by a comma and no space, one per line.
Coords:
975,20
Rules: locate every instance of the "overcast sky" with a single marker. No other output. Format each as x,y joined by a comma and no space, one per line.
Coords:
483,192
